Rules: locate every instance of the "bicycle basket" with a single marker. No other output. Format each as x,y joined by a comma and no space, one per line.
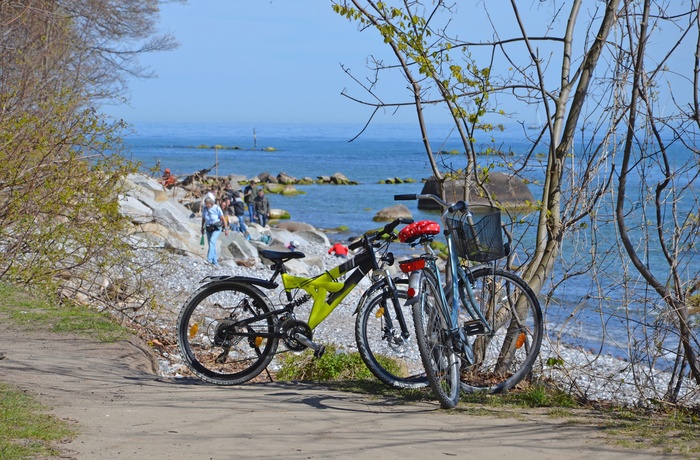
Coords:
477,235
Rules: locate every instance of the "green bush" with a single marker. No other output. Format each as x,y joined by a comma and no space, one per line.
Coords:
335,365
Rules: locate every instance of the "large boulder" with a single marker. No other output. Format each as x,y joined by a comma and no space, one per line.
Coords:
286,179
279,214
509,191
234,246
266,177
143,204
305,231
294,226
391,213
282,237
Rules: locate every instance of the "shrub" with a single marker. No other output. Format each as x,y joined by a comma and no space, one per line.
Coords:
335,365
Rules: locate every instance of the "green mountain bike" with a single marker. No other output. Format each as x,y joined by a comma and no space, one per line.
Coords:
230,329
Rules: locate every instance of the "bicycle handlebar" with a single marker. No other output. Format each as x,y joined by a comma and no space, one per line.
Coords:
460,206
387,230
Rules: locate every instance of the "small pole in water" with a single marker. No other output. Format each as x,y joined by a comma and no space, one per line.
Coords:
216,161
255,139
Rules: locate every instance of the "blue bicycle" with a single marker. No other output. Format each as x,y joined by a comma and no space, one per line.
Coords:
482,331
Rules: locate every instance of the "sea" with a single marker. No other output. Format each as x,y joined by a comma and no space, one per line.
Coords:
378,154
371,155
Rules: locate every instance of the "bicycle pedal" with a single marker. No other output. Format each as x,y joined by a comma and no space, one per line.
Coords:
320,351
473,327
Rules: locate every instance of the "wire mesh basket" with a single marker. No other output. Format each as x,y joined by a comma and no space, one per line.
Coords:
477,234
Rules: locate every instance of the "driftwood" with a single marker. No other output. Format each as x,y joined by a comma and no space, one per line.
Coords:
197,176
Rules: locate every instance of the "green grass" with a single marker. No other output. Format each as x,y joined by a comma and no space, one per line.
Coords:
345,371
671,431
26,431
335,365
26,310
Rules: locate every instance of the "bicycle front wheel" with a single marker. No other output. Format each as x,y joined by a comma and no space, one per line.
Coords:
435,342
505,354
389,355
216,333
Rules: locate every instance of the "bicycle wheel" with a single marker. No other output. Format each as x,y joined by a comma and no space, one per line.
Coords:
435,342
215,333
393,359
506,354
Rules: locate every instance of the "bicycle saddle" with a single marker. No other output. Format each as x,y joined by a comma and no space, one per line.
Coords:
281,255
412,232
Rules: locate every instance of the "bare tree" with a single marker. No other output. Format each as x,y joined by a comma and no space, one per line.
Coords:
60,225
584,65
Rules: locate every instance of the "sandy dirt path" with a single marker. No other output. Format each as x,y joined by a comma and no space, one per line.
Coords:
125,411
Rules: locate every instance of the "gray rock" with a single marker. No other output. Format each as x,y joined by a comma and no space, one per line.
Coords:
509,191
391,213
286,179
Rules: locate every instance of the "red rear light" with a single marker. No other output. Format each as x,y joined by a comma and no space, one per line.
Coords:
408,266
411,293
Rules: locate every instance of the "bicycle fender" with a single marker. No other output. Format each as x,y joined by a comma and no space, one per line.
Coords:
372,289
241,279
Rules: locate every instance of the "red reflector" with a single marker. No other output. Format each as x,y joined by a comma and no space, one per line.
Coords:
408,266
411,293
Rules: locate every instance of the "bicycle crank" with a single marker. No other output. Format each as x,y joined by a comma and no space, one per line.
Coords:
297,337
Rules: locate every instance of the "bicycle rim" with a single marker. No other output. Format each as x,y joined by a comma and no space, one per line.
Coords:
505,356
432,332
391,358
214,343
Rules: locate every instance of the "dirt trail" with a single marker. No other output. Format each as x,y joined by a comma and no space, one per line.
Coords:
125,411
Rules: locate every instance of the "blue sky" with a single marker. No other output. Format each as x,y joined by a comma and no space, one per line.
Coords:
279,61
253,61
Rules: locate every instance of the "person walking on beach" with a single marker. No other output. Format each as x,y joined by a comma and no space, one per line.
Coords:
213,221
262,208
239,211
339,250
212,193
249,199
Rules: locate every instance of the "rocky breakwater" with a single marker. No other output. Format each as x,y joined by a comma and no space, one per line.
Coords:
166,219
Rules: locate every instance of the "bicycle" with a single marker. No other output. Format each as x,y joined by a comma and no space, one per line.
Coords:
229,330
501,332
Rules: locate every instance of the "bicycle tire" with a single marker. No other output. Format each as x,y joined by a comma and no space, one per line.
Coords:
212,347
440,361
505,356
375,343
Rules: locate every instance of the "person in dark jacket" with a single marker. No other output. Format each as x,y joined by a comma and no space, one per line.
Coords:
262,208
239,208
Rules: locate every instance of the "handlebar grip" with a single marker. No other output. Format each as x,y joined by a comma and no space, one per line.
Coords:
459,206
405,197
356,245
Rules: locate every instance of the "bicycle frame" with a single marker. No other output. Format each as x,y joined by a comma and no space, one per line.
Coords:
326,292
455,274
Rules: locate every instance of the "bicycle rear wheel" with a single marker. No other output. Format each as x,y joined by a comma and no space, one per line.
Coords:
392,358
216,333
435,342
505,355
